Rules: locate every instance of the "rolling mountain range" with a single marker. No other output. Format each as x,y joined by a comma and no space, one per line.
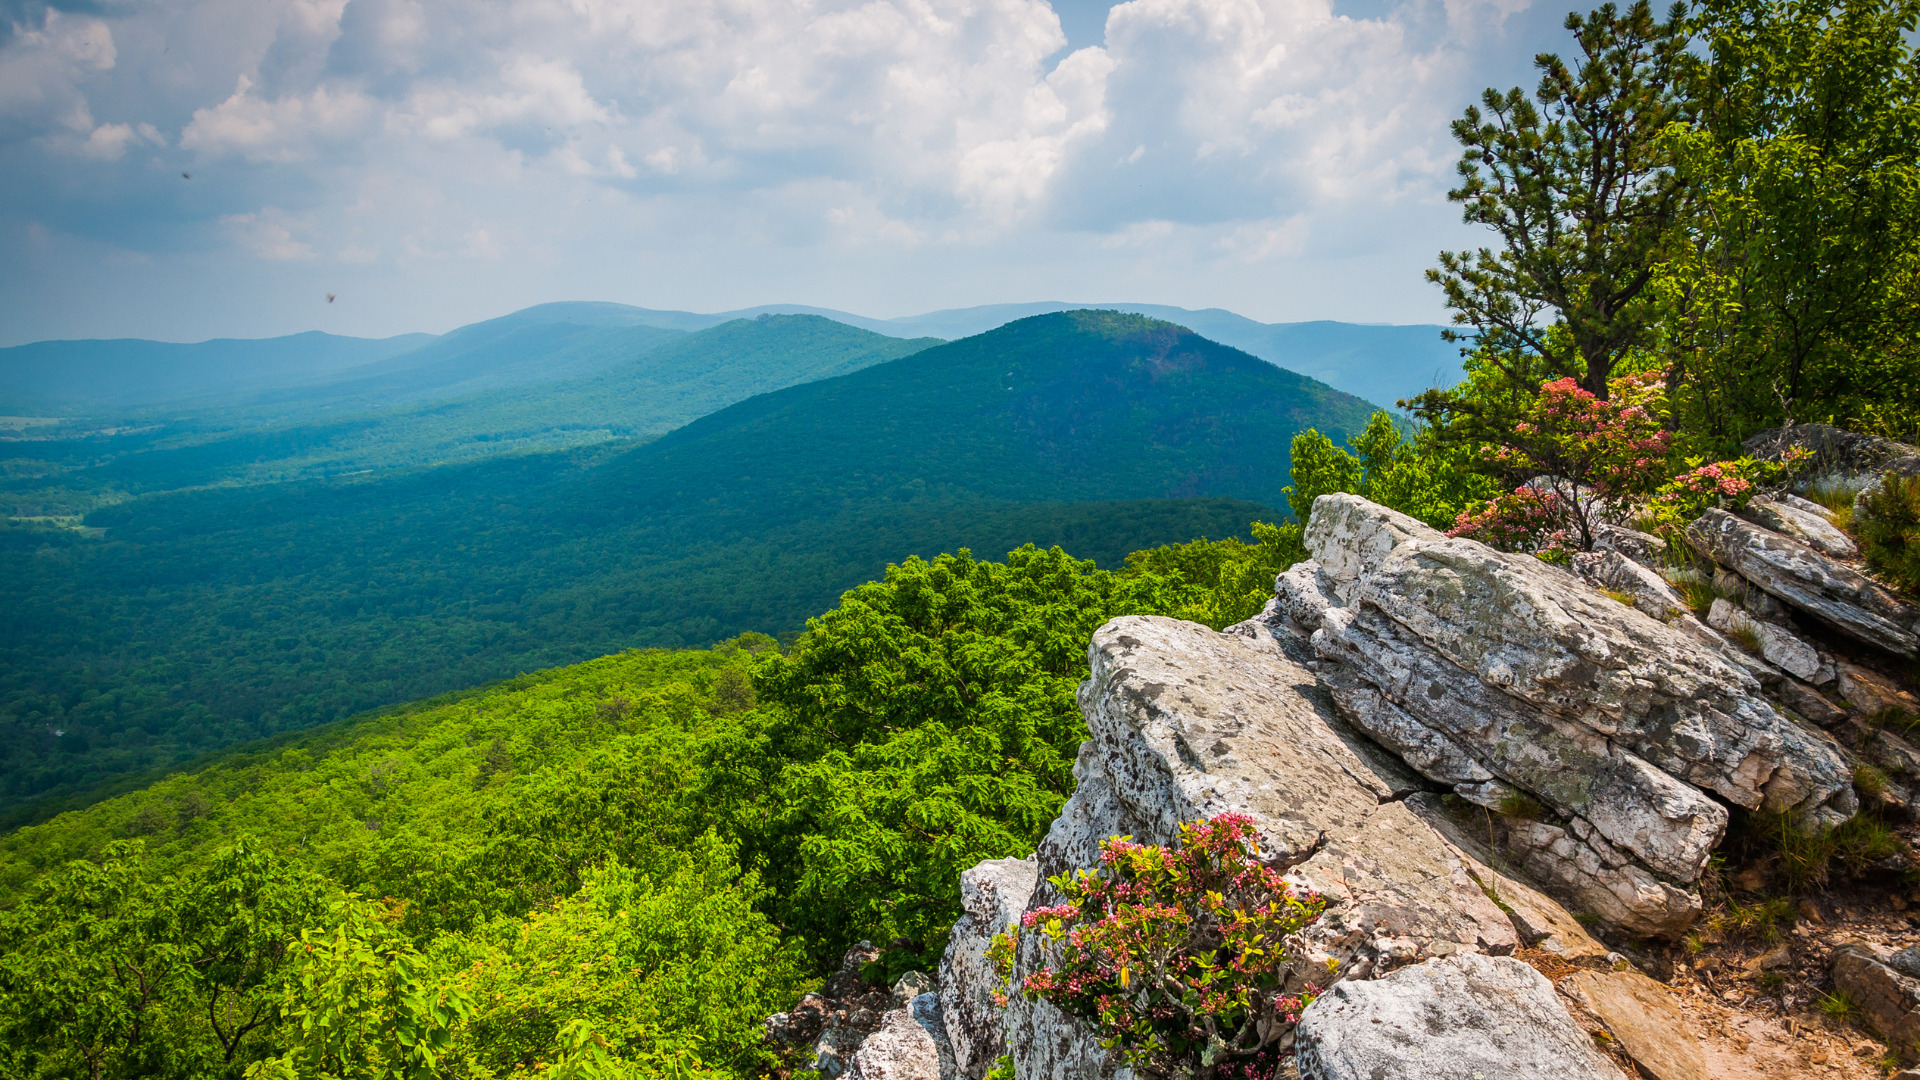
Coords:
558,341
200,618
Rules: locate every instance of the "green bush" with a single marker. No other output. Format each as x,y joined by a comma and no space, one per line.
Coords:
1888,525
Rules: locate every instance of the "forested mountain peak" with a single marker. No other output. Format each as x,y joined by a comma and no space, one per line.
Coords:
1069,405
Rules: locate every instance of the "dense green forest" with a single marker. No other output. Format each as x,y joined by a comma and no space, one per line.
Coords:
669,843
203,618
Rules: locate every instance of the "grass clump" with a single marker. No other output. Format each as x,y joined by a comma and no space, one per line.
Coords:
1626,598
1888,527
1902,722
1746,637
1837,496
1518,804
1696,590
1869,781
1840,1006
1766,921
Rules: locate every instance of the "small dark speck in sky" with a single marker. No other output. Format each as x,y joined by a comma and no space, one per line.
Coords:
329,298
186,176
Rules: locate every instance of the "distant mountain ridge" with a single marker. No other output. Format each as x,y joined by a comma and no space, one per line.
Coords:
573,339
63,377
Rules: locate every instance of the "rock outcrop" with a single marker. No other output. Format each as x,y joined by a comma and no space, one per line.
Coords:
1462,1016
1454,746
1819,585
1186,723
992,896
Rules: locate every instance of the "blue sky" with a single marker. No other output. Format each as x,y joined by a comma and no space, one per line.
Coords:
183,169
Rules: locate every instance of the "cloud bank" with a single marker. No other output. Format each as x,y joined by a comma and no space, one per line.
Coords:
209,166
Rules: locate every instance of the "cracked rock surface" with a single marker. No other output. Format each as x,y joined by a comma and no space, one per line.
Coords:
1461,1017
1188,723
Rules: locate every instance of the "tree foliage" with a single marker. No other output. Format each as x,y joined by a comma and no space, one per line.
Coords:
1582,196
1795,288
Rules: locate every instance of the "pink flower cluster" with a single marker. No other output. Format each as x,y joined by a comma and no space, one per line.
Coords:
1164,950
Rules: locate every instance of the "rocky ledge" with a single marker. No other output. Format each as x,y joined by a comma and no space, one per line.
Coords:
1476,757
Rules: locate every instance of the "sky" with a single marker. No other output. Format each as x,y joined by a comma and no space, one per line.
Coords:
186,169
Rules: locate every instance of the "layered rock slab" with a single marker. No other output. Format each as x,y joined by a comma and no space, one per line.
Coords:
1642,1016
1187,723
1888,996
1539,635
1816,584
1466,1017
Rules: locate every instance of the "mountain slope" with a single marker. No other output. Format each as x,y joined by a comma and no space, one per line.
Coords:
1065,407
69,377
1379,363
210,617
650,389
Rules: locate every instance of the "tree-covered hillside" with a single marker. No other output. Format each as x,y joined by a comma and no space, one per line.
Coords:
644,854
201,619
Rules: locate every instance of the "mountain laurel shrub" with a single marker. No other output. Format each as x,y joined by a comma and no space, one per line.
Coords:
1183,958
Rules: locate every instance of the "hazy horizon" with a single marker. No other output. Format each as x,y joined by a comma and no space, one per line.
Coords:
217,169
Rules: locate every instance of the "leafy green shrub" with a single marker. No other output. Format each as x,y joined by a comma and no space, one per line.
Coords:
1233,579
1888,526
1178,957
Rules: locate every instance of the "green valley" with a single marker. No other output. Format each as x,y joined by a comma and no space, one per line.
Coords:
204,618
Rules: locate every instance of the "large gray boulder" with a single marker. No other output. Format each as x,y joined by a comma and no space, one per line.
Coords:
1395,683
1186,723
1539,635
1500,675
1839,456
1466,1017
992,896
1818,585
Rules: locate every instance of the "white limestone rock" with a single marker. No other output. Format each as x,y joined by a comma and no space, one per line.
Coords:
992,896
1810,582
1457,1018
